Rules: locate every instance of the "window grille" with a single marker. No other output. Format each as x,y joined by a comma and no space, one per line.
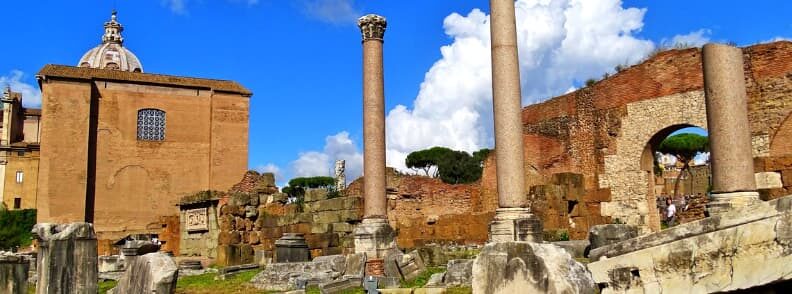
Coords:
151,125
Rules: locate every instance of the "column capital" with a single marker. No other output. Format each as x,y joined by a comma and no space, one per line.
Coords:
372,27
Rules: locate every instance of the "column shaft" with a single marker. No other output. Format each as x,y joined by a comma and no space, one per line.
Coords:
727,119
373,130
507,106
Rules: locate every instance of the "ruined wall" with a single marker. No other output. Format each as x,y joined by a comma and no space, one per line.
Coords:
425,210
250,223
604,131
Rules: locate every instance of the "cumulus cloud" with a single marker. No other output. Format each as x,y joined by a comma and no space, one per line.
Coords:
322,163
331,11
31,96
561,43
693,39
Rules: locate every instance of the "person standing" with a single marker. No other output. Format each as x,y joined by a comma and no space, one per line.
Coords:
670,212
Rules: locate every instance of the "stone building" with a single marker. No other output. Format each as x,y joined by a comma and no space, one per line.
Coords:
19,152
119,147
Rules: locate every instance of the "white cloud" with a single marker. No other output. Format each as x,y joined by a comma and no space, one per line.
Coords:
701,158
778,38
322,163
176,6
271,168
693,39
331,11
180,6
31,96
561,42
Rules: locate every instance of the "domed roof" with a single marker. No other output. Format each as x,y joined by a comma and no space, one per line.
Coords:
112,54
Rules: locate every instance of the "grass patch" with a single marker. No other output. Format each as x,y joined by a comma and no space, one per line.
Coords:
459,290
423,278
206,284
105,286
582,260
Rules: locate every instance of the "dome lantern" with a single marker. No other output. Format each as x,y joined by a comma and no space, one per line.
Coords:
112,54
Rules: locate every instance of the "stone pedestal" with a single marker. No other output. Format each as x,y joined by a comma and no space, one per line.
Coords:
724,202
733,182
515,224
375,238
13,273
67,258
292,248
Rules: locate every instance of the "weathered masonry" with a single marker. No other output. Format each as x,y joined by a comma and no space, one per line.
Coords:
608,131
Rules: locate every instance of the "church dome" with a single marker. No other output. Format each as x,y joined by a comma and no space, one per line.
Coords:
112,54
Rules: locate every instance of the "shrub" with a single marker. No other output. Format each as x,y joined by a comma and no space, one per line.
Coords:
15,226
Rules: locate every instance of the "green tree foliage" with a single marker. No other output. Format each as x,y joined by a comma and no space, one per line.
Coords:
452,167
312,182
684,147
458,167
296,192
15,226
426,159
481,155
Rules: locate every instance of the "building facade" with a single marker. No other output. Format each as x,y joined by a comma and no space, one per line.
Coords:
119,147
19,152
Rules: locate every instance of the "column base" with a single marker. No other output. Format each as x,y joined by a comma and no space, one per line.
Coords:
515,224
375,238
724,202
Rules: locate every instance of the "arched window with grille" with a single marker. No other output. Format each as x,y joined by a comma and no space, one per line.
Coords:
151,125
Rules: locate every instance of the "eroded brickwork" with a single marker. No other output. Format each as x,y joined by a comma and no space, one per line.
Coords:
603,131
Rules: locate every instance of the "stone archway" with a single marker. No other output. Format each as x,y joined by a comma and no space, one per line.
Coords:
625,175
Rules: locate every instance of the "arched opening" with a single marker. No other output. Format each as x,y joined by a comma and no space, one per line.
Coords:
676,174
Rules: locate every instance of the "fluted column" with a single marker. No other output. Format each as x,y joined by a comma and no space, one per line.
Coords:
513,220
733,182
374,236
373,29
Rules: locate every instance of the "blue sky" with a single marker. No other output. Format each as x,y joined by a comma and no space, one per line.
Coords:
302,59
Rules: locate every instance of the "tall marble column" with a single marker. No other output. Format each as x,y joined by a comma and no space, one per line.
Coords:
733,183
513,219
374,235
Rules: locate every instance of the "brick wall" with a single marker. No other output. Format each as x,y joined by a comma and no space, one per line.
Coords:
601,131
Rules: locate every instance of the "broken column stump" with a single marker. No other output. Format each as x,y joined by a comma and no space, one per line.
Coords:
67,258
13,273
